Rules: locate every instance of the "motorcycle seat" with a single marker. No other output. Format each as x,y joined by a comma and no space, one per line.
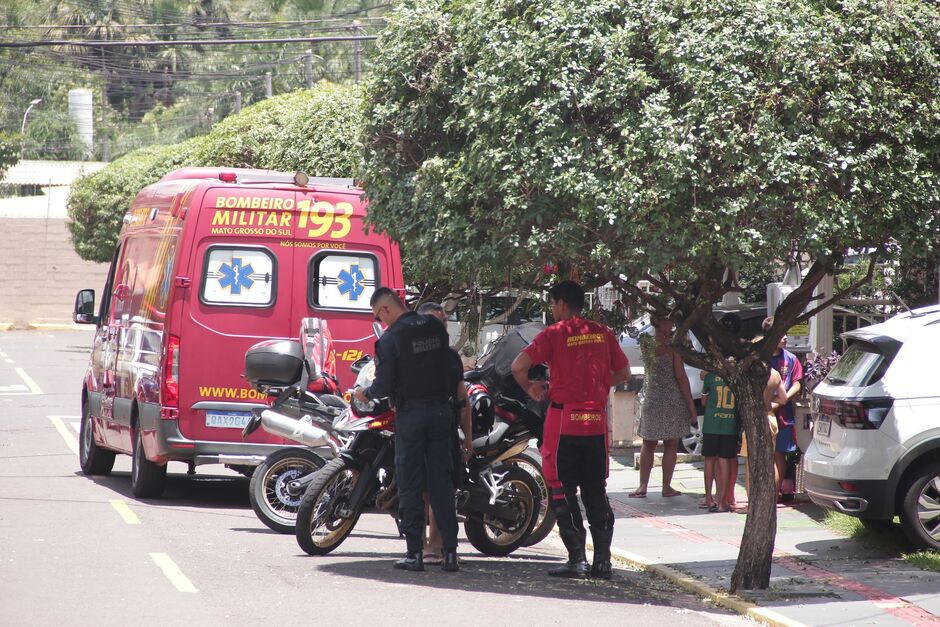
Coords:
492,438
472,376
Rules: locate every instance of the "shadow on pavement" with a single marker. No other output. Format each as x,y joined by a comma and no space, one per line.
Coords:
200,491
515,576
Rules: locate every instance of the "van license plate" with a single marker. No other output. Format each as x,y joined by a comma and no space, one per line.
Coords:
228,419
823,424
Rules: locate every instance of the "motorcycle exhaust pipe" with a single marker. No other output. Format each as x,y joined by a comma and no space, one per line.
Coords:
302,430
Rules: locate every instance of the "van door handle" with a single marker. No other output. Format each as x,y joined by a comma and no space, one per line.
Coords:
183,281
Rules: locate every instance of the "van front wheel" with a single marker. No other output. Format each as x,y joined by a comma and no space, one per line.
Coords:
920,516
93,459
147,478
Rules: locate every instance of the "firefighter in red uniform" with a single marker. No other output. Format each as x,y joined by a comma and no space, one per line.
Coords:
584,360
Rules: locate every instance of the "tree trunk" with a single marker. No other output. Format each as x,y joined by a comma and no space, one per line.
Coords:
752,570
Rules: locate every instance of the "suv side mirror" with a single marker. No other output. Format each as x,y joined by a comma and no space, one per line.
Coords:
84,312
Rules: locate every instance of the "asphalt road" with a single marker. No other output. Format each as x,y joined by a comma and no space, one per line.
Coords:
82,550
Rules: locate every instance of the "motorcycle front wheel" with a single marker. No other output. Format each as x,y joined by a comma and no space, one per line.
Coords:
267,492
499,537
322,523
531,461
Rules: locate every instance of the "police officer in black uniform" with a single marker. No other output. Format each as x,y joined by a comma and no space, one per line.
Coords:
413,368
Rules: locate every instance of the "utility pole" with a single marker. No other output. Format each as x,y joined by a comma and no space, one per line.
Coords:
268,88
308,68
358,51
238,101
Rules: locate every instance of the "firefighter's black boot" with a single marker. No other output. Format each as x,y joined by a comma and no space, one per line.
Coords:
571,530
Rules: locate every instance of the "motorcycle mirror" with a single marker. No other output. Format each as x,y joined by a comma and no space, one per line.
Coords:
359,364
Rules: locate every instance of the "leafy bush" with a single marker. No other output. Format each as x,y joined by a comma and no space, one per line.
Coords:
98,201
315,131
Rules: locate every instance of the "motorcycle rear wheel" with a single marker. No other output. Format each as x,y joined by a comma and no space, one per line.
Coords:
496,537
267,492
319,528
531,461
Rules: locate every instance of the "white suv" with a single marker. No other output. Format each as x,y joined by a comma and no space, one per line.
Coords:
876,448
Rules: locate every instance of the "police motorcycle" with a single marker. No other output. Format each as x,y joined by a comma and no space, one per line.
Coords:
497,402
299,375
499,501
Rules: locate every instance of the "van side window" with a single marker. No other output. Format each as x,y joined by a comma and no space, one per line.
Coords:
342,281
239,276
105,306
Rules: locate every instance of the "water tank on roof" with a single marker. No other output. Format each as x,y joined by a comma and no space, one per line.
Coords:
82,113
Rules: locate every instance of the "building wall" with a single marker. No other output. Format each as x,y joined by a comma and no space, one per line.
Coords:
41,272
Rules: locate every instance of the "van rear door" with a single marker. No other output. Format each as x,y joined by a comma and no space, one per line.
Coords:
342,267
242,271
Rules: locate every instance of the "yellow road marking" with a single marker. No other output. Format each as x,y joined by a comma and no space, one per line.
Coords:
173,572
8,360
33,388
126,513
70,439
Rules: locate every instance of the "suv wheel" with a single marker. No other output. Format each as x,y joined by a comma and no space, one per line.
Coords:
692,442
920,515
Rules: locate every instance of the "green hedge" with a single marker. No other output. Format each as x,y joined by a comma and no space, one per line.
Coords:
316,131
98,201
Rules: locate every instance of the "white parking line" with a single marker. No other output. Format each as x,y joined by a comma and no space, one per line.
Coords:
70,439
125,511
173,572
31,386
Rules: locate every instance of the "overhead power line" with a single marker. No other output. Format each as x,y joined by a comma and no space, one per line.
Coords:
195,24
180,42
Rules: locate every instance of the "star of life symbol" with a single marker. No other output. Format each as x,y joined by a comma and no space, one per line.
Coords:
350,282
236,276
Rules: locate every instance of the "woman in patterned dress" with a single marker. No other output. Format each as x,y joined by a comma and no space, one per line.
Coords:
668,409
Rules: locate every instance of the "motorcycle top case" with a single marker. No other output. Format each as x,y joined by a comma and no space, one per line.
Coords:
274,362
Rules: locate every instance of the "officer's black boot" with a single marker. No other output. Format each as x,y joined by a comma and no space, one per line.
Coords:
411,561
450,563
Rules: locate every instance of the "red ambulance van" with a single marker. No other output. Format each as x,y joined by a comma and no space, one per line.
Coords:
209,262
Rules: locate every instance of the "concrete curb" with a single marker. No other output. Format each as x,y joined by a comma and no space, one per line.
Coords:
728,601
42,326
689,584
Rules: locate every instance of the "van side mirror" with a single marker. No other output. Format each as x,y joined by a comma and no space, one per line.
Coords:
84,312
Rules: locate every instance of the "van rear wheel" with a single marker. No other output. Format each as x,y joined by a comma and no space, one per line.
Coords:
93,459
147,478
920,512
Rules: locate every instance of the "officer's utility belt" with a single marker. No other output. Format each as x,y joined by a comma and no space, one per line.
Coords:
585,418
414,403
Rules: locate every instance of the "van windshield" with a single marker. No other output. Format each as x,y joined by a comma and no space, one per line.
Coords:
861,365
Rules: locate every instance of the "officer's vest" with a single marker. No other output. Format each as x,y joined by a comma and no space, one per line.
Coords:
425,368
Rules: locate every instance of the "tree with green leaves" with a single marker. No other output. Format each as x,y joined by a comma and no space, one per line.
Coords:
9,151
678,141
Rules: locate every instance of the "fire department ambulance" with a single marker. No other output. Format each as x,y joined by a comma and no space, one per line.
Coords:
210,261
